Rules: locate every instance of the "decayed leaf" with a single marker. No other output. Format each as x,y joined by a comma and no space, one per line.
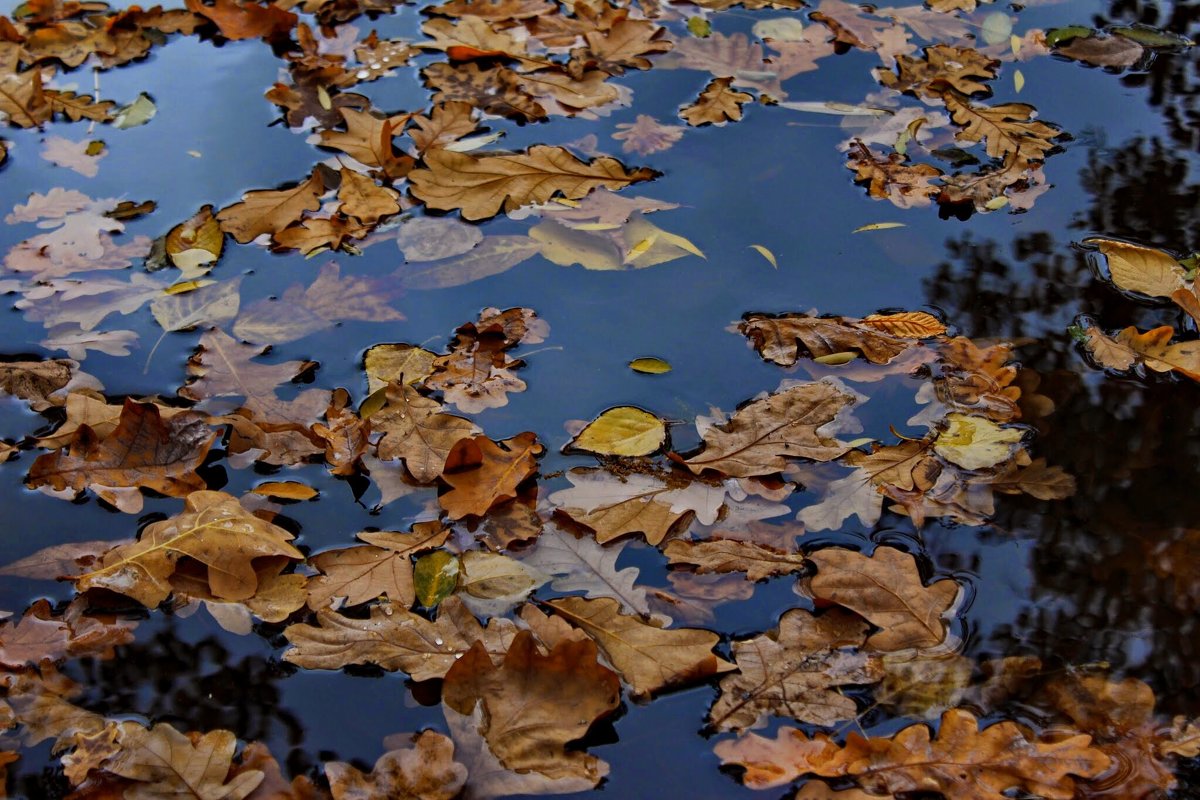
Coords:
887,590
622,431
415,429
354,575
169,764
891,178
795,671
717,104
43,384
1147,270
396,639
1152,349
613,506
215,530
307,309
761,435
481,186
425,771
223,367
649,658
483,473
270,211
730,555
522,700
961,762
880,338
144,450
646,135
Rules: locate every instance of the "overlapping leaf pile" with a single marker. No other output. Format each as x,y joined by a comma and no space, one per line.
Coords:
510,597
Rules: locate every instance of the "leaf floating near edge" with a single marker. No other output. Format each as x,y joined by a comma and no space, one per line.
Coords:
650,366
621,431
878,226
765,253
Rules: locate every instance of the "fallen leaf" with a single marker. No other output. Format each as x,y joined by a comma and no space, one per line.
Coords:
399,640
492,256
481,186
730,555
795,671
646,135
427,770
167,763
621,431
961,762
270,211
765,253
649,658
976,442
887,590
761,435
579,564
435,577
415,429
142,451
196,243
650,366
1146,270
72,155
214,530
483,473
285,490
717,104
522,700
1152,348
354,575
779,338
245,20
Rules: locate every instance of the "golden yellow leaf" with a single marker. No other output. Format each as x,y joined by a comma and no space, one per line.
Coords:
622,431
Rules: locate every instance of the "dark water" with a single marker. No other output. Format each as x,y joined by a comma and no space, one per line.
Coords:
1070,581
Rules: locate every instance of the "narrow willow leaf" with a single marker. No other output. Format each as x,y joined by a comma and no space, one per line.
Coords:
765,253
878,226
435,577
621,431
650,365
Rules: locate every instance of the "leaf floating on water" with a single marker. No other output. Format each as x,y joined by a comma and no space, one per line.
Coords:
1136,268
139,112
976,442
435,577
622,431
285,490
878,226
650,366
765,253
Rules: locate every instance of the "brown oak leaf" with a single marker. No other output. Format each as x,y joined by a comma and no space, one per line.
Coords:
270,211
215,530
415,429
427,771
717,104
144,450
483,473
354,575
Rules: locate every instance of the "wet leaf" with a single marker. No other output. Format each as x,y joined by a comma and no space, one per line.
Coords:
522,699
649,658
795,671
765,253
1141,269
481,186
415,429
730,555
492,256
761,435
214,530
285,490
396,639
613,507
427,770
976,442
622,431
650,365
196,243
880,338
354,575
717,104
483,473
646,135
887,590
144,450
137,113
961,761
404,363
435,577
270,211
582,565
214,304
492,584
165,763
1152,349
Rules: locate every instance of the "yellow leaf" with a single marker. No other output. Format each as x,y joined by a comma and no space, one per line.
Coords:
622,431
878,226
640,248
183,287
976,442
765,253
836,359
650,366
1018,81
1147,270
909,324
